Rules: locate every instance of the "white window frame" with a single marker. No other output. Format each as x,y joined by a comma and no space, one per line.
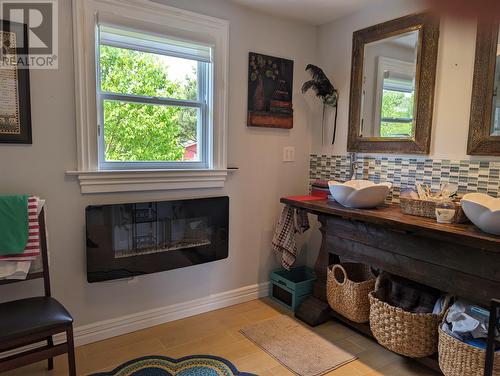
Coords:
145,16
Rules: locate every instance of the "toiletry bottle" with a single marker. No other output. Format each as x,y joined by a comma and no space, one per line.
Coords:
445,211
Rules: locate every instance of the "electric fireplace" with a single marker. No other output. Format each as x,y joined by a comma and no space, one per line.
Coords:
126,240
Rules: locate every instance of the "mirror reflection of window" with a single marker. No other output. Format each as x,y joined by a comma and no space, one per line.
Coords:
495,119
389,87
395,118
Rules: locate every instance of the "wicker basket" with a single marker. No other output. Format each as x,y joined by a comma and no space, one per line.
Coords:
410,334
425,208
457,358
348,286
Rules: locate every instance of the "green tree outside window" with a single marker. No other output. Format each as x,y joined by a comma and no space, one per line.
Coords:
397,105
145,132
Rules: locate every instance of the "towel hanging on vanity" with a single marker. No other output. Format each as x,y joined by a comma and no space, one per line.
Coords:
290,222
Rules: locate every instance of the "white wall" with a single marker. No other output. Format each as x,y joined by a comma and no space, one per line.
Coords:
254,190
454,75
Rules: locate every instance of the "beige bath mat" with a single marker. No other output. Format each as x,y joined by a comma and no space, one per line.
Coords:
296,347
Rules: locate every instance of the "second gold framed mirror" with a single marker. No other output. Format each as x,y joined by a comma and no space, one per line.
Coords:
484,129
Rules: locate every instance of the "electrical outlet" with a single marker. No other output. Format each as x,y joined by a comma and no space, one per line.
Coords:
289,154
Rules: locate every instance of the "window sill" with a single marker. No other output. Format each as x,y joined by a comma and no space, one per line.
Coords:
148,180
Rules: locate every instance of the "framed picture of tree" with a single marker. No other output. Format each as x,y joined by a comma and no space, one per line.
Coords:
15,114
270,87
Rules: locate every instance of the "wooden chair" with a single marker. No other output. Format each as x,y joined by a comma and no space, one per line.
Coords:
33,320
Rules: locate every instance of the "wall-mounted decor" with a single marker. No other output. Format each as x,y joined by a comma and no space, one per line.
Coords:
270,86
15,116
324,90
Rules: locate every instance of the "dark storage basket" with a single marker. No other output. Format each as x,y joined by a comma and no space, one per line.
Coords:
410,334
348,286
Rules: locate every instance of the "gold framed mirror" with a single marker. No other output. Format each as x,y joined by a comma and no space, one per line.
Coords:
484,128
392,86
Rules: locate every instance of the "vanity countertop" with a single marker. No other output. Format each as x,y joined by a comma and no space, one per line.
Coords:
392,217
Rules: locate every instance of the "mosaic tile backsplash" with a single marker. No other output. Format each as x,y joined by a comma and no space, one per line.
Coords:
470,176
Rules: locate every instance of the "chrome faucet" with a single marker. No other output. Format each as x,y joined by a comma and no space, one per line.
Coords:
354,165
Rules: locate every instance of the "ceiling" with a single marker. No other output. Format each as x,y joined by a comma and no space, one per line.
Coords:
314,12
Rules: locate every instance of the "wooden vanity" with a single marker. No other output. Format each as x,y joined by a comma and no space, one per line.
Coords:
455,258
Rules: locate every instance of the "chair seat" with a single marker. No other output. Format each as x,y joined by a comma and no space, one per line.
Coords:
30,316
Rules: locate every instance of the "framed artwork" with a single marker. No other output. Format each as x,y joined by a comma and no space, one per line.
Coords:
15,112
270,87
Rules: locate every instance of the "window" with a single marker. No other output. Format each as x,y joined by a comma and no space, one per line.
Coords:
152,97
495,129
395,98
398,97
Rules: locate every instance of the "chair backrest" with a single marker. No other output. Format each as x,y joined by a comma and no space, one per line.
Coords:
45,260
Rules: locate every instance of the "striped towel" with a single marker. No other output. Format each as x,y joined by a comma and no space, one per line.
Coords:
290,223
32,249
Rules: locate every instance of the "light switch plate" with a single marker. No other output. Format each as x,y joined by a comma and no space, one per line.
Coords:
289,154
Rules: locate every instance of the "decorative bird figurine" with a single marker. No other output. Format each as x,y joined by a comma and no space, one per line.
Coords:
324,90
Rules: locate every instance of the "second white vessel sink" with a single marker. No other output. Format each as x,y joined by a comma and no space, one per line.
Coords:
359,194
483,211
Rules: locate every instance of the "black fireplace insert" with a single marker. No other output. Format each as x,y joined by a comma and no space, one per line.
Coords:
126,240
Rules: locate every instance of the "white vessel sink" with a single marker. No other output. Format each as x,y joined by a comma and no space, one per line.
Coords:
359,194
483,211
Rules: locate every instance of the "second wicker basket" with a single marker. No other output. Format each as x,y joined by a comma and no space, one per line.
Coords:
410,334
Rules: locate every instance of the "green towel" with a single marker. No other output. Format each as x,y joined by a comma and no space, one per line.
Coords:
13,224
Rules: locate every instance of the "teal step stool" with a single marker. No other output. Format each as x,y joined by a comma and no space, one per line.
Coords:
290,288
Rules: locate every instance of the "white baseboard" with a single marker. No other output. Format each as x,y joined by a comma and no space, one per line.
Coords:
101,330
126,324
